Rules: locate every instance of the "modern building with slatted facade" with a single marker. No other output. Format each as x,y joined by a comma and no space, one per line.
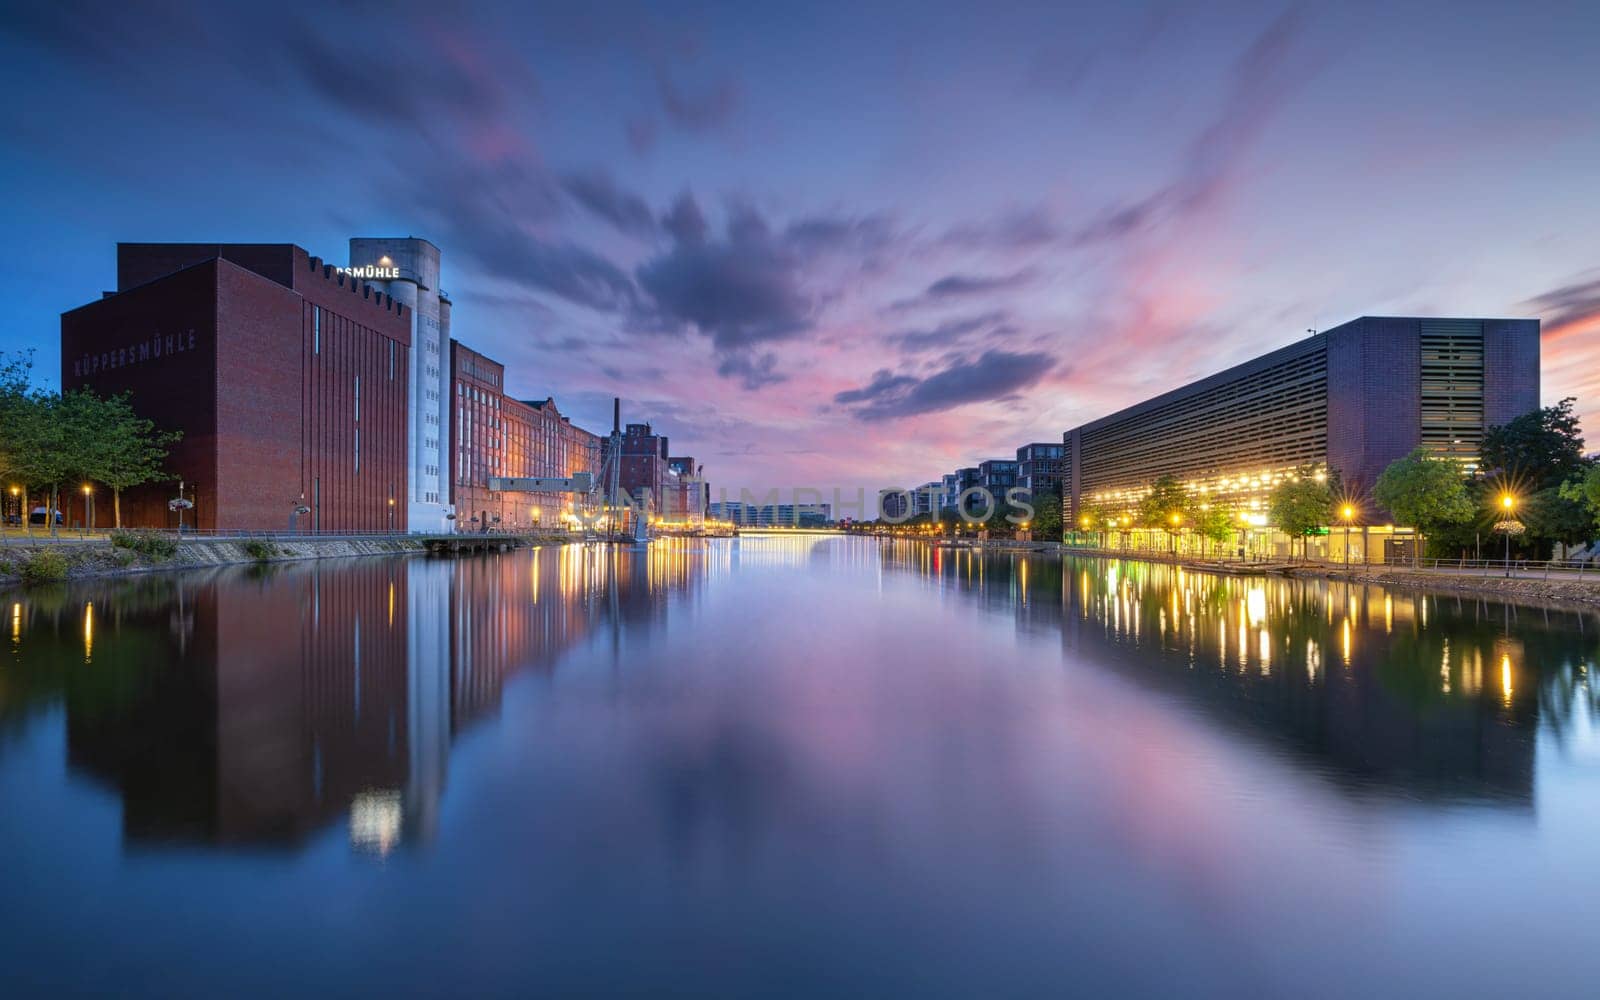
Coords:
1351,399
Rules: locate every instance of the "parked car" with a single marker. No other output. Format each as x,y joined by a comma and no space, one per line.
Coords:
38,516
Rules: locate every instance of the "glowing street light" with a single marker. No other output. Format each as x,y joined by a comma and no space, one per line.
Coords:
1509,525
1348,512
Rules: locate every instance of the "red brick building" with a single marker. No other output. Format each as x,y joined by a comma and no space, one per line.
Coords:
287,377
492,434
643,466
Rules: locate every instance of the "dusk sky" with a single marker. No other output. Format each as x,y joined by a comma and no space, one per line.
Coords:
855,244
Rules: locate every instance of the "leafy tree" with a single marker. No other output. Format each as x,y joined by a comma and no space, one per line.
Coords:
1047,516
1301,505
1585,491
55,437
1552,516
1216,523
41,453
1538,450
123,449
1424,491
1167,497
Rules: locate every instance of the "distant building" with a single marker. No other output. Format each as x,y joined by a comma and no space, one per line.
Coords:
643,466
772,515
685,494
1039,468
951,490
287,376
925,498
894,505
967,480
493,434
998,475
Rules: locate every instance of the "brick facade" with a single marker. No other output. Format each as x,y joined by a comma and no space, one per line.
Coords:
287,379
493,434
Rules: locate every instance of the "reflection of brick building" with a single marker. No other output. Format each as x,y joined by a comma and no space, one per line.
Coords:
287,378
643,465
281,706
492,434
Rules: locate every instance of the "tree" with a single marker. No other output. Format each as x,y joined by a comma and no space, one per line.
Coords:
1551,515
1585,491
123,449
1424,491
15,376
1166,498
1538,450
1047,516
40,455
1300,506
1215,523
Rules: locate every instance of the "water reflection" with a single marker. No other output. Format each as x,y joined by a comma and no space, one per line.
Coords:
1423,695
258,706
792,765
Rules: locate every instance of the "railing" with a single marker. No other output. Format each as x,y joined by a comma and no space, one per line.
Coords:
1522,568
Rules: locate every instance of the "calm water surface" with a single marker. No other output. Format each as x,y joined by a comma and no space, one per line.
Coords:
791,766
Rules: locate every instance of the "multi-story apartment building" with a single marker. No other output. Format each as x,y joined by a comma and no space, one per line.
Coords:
1039,468
950,490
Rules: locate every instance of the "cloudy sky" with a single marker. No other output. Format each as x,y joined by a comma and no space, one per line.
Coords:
854,244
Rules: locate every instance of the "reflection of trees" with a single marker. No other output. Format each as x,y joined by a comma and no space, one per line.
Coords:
1438,697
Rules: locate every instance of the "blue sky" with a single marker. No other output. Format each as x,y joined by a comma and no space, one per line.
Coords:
839,244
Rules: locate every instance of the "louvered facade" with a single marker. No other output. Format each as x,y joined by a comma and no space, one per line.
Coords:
1351,399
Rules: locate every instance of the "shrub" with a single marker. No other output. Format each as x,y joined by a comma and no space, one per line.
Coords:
260,550
156,545
44,566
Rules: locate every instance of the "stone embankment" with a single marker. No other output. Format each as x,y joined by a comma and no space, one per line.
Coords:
27,561
1562,587
1516,588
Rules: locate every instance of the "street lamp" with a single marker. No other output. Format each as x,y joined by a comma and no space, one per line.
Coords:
88,507
1348,512
1509,525
1175,519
